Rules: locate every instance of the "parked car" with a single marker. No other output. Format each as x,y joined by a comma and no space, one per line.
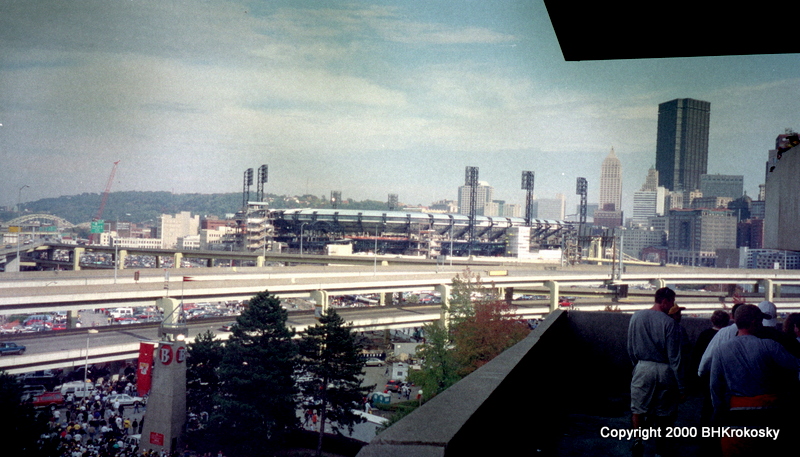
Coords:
393,386
125,399
11,349
373,362
47,399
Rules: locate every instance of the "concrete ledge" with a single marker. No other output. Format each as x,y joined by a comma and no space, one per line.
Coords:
446,425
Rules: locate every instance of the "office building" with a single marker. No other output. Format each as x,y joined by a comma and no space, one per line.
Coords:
649,201
722,186
682,143
782,217
173,227
550,208
651,182
611,183
648,204
770,259
484,195
610,212
636,240
695,235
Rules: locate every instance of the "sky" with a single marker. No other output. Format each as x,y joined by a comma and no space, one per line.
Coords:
369,98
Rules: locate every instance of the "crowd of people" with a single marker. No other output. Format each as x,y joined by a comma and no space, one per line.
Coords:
95,426
746,372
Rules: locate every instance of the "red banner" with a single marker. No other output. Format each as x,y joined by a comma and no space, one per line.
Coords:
144,375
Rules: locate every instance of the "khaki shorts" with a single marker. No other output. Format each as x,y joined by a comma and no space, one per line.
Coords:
654,389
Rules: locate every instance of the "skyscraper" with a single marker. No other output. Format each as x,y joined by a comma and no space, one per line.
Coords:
485,194
611,183
610,212
682,143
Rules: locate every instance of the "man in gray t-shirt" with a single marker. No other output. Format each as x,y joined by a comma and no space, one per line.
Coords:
654,347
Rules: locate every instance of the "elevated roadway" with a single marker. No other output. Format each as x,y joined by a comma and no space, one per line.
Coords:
31,292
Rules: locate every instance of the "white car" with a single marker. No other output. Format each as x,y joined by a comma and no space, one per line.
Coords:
373,362
125,399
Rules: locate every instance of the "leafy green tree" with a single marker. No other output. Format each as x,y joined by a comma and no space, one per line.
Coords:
466,291
330,359
202,371
439,369
257,399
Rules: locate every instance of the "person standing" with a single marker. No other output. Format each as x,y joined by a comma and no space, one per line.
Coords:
752,383
657,384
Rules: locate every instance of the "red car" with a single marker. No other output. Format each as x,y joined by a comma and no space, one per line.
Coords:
47,399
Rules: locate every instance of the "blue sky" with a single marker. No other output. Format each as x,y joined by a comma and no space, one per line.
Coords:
364,97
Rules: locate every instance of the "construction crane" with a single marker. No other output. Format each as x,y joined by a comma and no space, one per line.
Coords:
105,193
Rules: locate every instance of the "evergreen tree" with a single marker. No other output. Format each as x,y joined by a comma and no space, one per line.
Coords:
330,358
202,366
257,399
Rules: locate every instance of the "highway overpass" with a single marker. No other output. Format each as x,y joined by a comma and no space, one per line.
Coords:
32,292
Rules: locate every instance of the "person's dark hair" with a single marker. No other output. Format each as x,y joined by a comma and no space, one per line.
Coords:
791,321
748,317
735,307
664,293
720,318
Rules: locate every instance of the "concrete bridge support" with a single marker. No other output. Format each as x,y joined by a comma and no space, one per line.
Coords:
509,296
177,259
123,254
321,297
769,289
76,258
554,293
72,318
444,292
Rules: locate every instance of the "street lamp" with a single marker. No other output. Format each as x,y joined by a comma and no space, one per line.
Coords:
19,197
86,362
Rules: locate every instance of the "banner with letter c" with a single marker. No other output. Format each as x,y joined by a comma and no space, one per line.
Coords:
144,373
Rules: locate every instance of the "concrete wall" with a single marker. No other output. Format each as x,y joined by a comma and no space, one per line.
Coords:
573,362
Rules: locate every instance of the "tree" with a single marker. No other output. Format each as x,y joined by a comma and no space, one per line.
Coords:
202,371
330,359
439,369
257,399
466,291
479,338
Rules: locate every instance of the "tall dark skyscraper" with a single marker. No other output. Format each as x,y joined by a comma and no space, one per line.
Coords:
682,143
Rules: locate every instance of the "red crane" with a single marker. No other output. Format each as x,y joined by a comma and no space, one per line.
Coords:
105,193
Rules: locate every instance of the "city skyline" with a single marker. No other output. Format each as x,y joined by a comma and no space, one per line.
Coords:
369,98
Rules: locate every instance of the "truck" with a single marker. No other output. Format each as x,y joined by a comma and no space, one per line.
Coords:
11,349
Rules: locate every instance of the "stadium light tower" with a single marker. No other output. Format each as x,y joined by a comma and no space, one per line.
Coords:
248,181
336,197
471,181
527,186
581,189
263,172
